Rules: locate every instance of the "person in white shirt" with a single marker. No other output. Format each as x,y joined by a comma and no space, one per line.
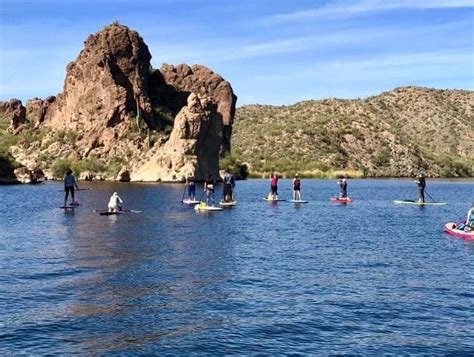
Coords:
115,203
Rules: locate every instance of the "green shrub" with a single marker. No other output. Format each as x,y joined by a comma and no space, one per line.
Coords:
234,165
60,167
383,157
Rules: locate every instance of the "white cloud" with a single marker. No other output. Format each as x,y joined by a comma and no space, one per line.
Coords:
347,9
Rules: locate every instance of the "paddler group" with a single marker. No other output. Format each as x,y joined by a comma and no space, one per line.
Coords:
228,196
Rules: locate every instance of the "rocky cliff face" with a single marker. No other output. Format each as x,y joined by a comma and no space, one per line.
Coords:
174,82
115,108
193,146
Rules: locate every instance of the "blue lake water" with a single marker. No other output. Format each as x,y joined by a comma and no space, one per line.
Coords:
320,278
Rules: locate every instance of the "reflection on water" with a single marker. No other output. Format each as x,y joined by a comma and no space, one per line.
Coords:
260,278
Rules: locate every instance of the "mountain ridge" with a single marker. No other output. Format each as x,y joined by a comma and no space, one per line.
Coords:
397,133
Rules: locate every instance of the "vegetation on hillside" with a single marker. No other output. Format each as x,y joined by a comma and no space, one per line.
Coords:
394,134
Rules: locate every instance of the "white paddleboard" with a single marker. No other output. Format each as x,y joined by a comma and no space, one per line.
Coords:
407,202
190,202
201,207
274,200
298,201
228,204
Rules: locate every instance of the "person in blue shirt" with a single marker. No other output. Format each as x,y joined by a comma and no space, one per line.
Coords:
69,184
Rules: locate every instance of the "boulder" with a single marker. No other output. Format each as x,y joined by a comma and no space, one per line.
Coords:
14,112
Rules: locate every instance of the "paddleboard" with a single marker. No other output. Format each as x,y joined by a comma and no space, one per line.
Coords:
274,200
450,228
204,207
111,213
190,202
341,200
228,204
68,207
416,203
298,201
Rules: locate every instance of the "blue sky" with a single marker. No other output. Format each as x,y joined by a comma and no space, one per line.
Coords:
272,51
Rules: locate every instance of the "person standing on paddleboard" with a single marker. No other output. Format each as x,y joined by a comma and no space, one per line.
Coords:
115,203
69,184
470,217
209,189
273,187
421,182
191,182
297,188
342,187
229,184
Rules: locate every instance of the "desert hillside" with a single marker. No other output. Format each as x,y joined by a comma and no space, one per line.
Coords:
396,134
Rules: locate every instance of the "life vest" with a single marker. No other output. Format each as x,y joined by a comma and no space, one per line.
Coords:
296,184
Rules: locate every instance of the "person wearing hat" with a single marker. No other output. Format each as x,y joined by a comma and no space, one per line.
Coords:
115,203
297,188
421,182
341,181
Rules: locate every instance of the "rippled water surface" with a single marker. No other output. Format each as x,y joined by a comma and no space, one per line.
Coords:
321,278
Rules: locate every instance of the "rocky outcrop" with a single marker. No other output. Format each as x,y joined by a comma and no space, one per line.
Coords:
14,112
115,109
172,85
36,109
193,146
106,83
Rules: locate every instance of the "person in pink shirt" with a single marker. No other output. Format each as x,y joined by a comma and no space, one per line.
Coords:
273,186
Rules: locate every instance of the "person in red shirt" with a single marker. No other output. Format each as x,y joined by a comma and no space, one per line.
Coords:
273,186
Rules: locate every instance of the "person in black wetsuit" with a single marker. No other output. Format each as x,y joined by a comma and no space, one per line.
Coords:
421,182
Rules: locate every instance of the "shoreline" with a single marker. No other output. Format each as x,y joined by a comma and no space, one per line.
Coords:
435,179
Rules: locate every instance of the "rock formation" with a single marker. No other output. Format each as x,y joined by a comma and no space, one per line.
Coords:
193,146
116,108
36,109
14,112
204,82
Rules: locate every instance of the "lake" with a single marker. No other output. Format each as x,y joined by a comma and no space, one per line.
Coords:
321,278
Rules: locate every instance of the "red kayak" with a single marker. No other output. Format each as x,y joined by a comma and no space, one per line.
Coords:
341,200
450,228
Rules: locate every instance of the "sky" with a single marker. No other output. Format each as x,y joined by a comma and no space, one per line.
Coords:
271,51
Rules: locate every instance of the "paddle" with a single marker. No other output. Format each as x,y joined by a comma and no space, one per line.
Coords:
124,210
200,198
77,189
184,191
431,198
